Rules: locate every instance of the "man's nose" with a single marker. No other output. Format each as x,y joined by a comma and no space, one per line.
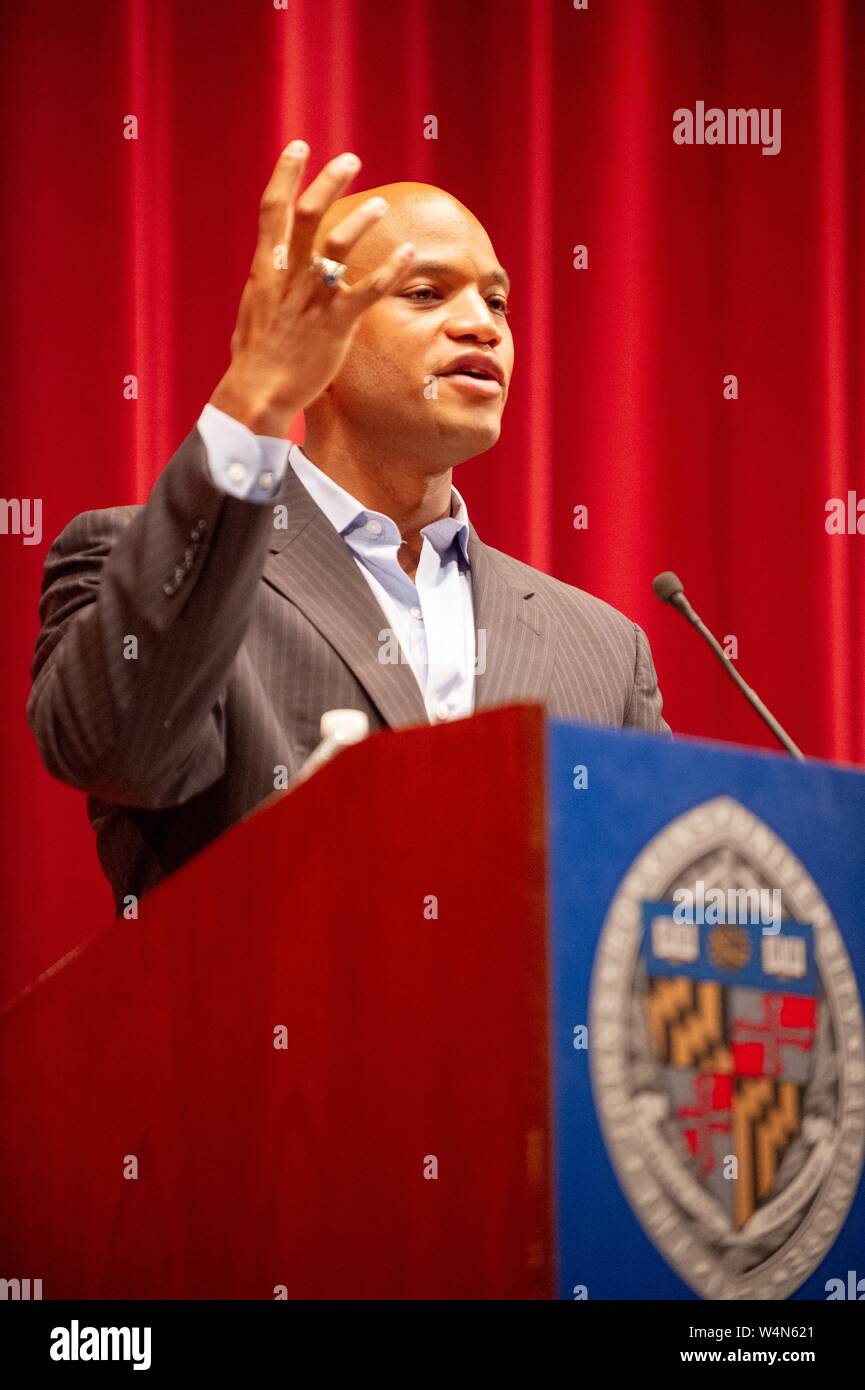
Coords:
472,317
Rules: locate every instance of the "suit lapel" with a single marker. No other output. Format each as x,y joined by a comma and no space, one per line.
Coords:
311,565
516,662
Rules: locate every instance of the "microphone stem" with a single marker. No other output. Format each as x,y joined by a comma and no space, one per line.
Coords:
751,696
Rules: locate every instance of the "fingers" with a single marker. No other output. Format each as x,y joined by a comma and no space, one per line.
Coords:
312,204
379,282
343,236
276,203
286,221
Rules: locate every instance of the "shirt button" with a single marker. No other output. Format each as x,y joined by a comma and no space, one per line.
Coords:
442,710
265,481
237,473
373,526
415,612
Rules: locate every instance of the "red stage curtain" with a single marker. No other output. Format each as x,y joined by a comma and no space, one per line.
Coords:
555,126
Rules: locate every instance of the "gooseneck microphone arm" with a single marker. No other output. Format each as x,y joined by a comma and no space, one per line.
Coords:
669,589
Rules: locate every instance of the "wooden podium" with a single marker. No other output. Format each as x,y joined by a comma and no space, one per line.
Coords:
453,1019
317,1061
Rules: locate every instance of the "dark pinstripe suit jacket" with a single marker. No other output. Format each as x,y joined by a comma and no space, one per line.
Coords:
189,647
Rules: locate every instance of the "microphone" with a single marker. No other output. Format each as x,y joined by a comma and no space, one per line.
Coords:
670,589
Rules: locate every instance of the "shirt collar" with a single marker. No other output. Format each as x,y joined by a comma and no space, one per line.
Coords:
346,514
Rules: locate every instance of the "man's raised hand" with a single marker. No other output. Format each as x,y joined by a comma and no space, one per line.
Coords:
293,330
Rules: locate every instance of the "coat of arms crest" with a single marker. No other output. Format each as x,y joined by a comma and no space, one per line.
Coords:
728,1055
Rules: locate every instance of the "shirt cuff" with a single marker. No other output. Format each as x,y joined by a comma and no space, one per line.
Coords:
243,464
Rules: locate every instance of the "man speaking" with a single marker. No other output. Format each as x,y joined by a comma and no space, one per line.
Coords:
190,646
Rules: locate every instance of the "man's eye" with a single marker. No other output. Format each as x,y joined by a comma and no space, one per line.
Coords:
497,302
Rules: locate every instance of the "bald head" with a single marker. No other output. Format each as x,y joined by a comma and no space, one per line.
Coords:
408,203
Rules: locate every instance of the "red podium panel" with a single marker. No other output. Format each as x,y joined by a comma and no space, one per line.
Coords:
389,916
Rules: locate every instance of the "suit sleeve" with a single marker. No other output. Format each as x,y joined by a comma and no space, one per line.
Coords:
143,612
646,703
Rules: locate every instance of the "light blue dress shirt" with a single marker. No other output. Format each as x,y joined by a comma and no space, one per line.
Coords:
429,619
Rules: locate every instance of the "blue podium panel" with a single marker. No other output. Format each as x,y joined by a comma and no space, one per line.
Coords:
707,969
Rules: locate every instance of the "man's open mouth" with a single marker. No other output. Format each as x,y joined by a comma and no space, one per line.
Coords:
473,367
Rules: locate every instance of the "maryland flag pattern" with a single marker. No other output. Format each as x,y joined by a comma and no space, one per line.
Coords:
734,1040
